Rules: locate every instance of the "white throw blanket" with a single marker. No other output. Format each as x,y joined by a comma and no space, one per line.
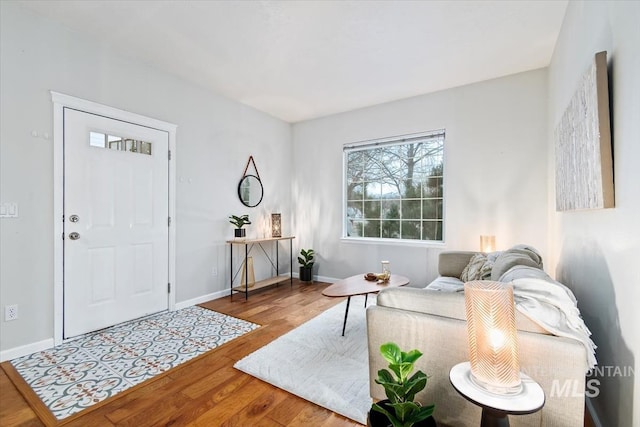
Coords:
551,305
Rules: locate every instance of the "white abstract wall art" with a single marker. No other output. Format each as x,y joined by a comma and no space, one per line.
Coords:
584,162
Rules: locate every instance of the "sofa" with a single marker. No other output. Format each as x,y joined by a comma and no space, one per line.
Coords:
432,320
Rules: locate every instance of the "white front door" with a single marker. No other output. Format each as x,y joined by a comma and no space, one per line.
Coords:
116,231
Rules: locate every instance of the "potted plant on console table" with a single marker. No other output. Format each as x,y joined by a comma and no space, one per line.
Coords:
239,222
306,264
399,409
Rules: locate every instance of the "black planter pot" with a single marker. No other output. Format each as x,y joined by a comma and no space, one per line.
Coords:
377,419
240,232
306,274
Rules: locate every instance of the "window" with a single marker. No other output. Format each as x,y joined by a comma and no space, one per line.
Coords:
394,188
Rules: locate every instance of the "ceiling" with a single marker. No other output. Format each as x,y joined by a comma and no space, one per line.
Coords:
298,60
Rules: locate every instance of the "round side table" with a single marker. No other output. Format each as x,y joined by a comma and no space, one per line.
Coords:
496,408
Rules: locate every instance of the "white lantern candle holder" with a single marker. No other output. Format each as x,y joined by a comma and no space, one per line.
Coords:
493,341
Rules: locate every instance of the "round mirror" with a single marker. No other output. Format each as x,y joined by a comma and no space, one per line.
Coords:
250,190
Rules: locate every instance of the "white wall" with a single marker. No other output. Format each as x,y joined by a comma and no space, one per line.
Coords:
597,250
214,140
495,172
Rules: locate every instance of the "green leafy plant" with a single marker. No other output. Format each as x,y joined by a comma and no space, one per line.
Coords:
402,389
306,258
239,221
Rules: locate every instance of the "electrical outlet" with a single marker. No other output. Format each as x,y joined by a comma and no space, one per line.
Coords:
10,312
214,271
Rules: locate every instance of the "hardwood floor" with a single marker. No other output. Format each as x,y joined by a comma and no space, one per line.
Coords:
209,391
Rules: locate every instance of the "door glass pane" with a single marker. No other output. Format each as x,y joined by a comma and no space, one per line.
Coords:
96,139
118,143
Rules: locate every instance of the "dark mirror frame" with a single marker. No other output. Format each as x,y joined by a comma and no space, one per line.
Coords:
248,203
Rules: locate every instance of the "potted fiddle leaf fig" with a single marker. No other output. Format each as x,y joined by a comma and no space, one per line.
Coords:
306,264
400,409
239,222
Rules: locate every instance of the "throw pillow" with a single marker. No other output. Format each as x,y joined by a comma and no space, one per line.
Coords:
479,268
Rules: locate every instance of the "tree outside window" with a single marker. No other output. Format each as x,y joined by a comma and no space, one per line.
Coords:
394,188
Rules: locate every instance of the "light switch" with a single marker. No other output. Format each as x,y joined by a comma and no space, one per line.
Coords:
8,210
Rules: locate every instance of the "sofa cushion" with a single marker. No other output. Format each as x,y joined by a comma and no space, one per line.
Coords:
451,263
446,284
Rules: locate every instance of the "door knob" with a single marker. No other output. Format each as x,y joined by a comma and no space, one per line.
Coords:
74,236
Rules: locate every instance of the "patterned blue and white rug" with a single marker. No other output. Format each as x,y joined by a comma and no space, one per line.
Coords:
83,372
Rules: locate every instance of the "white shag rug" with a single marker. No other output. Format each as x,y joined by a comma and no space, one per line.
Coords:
317,364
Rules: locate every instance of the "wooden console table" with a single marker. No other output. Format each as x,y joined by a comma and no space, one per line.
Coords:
248,245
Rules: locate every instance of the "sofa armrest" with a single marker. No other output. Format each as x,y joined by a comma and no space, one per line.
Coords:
451,263
556,363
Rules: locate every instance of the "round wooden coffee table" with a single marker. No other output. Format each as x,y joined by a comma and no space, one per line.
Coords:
357,285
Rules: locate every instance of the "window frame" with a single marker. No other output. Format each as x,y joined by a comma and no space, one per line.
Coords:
390,141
